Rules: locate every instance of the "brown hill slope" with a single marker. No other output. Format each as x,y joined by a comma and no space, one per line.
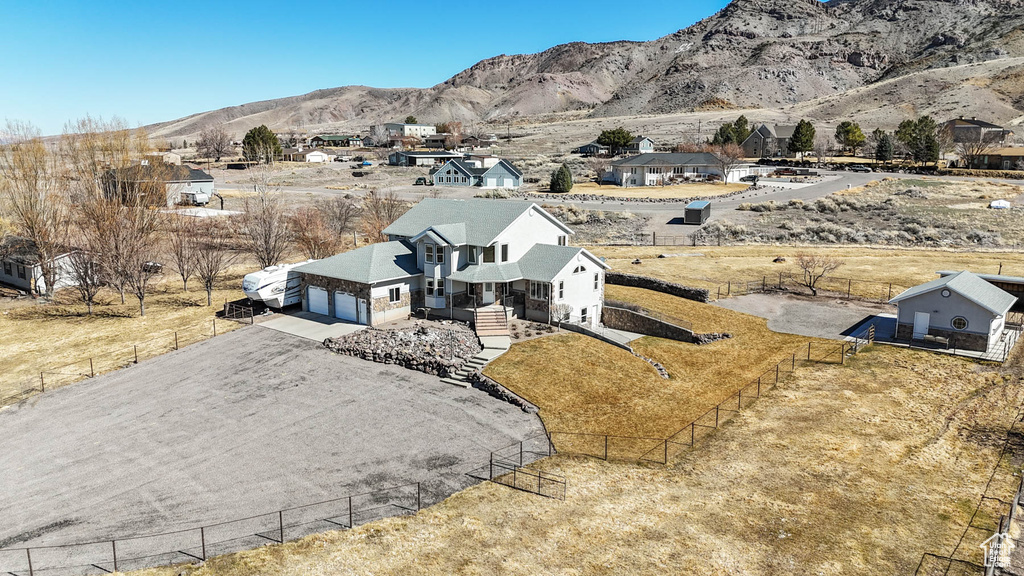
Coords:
753,53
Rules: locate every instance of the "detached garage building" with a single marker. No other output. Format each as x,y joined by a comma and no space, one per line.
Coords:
962,308
369,285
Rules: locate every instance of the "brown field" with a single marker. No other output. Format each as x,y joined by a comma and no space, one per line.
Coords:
674,191
592,387
713,266
842,470
41,337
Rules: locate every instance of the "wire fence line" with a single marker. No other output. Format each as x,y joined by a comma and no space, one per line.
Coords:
844,287
51,377
661,450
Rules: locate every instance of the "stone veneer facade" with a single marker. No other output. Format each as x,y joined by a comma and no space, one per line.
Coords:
957,339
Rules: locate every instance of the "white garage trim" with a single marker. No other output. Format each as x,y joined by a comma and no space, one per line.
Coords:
317,299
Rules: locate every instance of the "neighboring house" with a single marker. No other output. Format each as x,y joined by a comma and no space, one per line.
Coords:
974,130
592,149
437,140
421,158
335,141
1000,159
639,145
769,142
963,308
164,157
483,141
19,266
484,172
415,130
661,168
452,256
158,184
307,155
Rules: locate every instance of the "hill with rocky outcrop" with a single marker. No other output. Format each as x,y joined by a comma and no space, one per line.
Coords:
752,54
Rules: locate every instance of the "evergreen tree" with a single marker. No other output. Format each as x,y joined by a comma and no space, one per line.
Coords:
561,180
850,136
741,129
410,119
616,139
884,146
260,144
802,140
726,134
921,139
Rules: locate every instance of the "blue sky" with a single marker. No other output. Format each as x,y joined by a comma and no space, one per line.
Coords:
148,62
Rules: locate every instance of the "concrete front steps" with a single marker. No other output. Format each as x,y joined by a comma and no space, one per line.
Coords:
490,321
494,346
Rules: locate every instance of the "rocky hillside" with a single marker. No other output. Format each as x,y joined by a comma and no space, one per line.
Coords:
752,54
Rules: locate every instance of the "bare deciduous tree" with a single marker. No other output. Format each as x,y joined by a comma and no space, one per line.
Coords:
560,313
312,235
141,250
215,143
38,205
182,244
971,152
815,267
86,274
264,229
380,136
380,209
340,213
728,156
212,256
598,165
822,147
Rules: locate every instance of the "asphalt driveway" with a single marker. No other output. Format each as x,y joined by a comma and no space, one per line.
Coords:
817,317
249,422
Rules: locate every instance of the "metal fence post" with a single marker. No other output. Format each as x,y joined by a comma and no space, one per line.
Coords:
28,553
716,415
92,370
202,539
758,386
776,373
418,497
739,399
175,340
849,287
693,429
136,348
665,461
520,453
350,524
214,326
113,547
793,366
890,292
491,475
808,351
514,482
842,353
729,288
280,524
606,447
42,383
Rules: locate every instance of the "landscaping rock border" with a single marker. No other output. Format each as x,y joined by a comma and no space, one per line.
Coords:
436,351
492,387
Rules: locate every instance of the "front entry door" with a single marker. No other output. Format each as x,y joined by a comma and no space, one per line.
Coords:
921,320
488,293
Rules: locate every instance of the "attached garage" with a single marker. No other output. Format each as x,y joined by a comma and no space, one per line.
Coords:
345,306
317,298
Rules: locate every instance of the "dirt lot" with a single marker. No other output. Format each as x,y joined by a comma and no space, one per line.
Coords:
245,423
806,316
843,470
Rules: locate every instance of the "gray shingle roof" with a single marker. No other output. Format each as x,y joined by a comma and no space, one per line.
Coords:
784,131
668,159
541,263
476,273
989,277
968,285
369,264
483,219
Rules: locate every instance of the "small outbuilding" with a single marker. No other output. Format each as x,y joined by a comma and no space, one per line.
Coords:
697,212
962,310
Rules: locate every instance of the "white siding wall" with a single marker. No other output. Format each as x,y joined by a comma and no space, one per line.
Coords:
529,229
578,290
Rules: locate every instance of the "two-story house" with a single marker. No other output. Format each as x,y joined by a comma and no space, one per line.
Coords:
454,256
481,171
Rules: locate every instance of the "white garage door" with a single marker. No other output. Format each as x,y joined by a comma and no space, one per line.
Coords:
345,306
491,182
317,298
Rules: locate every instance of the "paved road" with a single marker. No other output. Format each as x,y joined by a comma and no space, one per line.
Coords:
246,423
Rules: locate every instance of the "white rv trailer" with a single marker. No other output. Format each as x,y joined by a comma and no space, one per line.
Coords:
275,286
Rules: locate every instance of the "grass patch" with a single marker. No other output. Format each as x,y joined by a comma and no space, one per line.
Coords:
843,470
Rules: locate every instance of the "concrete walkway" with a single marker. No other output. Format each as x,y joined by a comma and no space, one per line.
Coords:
316,327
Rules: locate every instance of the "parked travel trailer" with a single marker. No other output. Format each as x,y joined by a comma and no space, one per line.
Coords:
275,286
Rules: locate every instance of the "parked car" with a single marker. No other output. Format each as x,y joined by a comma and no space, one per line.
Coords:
367,163
421,181
752,179
860,168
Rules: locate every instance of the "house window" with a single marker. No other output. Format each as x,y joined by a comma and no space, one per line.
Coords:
394,295
579,270
440,289
596,279
471,254
440,255
428,253
430,287
489,255
583,315
538,290
8,269
471,289
21,272
561,289
561,240
504,252
959,323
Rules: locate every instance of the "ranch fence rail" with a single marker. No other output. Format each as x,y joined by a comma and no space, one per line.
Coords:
198,544
238,312
52,377
661,450
848,288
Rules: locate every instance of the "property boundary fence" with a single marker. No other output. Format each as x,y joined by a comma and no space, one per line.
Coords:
849,288
52,377
660,450
238,312
508,466
198,544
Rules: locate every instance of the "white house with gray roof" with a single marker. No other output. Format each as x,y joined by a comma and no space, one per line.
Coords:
452,257
961,309
662,168
482,173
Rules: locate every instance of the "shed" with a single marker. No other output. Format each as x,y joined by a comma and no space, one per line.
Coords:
697,212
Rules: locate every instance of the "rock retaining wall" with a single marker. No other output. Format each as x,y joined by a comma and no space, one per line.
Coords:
437,351
630,321
481,382
657,285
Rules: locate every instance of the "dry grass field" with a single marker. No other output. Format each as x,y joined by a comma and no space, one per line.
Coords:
674,191
842,470
712,266
583,385
46,337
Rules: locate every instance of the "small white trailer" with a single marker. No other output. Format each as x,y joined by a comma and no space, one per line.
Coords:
275,286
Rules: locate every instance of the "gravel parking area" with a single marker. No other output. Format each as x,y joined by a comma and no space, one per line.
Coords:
806,316
246,423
